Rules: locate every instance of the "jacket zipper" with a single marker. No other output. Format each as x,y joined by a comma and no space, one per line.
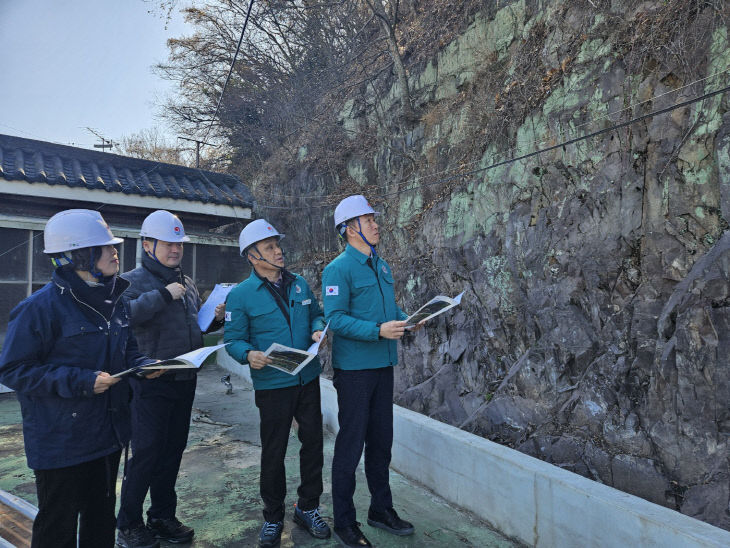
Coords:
185,308
382,296
109,328
108,322
276,295
291,335
183,300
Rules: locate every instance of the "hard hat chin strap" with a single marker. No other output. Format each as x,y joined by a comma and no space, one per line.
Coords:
64,260
364,239
261,257
92,264
153,255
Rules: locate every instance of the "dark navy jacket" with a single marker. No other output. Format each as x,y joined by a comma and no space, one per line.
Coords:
51,353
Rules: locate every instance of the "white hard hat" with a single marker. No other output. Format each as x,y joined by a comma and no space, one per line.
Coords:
255,231
163,225
351,207
75,229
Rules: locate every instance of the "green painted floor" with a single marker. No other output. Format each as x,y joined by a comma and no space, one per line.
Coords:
218,482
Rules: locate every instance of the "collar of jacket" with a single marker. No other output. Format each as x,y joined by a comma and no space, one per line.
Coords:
357,255
163,272
120,286
286,278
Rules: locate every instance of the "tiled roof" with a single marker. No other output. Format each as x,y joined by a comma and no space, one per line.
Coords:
42,162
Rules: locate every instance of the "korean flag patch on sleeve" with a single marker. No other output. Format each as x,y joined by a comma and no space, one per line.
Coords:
228,316
331,290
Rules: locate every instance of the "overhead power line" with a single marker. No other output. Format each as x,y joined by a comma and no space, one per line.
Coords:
230,71
313,203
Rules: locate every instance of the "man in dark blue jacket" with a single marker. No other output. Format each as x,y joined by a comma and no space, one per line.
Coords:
62,345
275,306
163,310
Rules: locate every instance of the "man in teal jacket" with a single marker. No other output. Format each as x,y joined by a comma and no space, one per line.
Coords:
275,306
359,304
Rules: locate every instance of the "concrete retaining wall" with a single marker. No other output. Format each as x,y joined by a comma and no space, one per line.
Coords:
520,496
23,506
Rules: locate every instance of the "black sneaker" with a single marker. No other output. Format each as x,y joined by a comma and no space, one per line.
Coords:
137,536
351,536
170,529
271,533
390,522
312,522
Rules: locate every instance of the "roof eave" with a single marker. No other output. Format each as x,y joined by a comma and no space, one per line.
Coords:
81,194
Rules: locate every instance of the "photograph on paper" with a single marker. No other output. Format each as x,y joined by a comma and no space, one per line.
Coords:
434,307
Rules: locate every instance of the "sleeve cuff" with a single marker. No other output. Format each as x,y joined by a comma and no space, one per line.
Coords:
87,390
166,295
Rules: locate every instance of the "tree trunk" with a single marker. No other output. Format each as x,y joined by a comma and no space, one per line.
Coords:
388,23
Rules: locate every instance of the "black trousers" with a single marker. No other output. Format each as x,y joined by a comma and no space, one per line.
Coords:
160,426
77,498
365,401
277,408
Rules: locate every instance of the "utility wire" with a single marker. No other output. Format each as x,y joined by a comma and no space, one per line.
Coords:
223,91
518,144
604,130
230,71
217,108
523,156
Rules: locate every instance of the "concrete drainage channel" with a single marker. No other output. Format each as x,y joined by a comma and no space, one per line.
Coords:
522,497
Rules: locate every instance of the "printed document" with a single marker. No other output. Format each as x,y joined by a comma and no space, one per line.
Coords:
292,360
190,360
206,314
434,307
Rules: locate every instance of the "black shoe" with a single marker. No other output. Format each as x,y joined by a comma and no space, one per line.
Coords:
312,522
351,536
390,521
271,533
170,529
137,536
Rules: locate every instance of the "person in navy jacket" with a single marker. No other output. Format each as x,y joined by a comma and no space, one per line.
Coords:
62,346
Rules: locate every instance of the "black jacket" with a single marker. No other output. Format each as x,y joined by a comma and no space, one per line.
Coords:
164,328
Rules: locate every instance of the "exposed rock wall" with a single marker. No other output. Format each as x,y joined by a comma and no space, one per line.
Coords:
594,333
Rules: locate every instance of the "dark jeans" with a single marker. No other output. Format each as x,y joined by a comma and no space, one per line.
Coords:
365,400
160,425
82,495
277,408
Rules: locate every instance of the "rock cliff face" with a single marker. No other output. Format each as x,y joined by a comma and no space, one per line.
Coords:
595,329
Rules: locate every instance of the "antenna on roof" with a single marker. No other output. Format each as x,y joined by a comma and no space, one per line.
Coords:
105,143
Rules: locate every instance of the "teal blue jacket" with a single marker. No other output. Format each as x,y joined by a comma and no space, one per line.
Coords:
357,298
254,321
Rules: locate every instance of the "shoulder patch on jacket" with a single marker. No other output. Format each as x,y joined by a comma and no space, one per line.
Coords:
332,290
228,316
